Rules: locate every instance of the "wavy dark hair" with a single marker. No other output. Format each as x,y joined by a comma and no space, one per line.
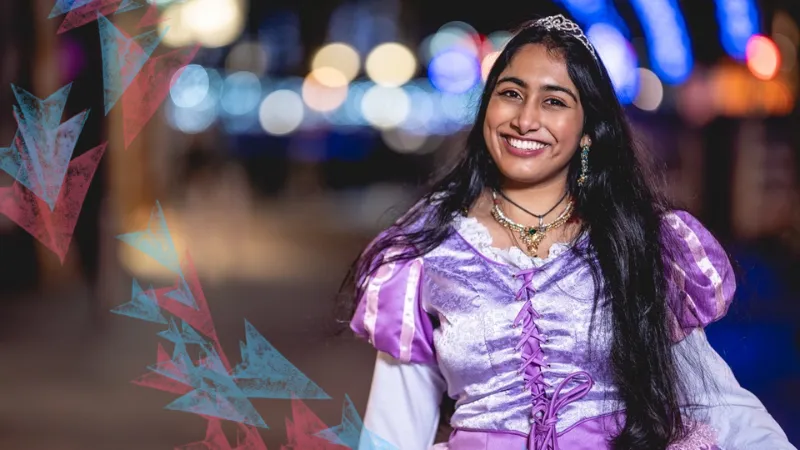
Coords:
619,208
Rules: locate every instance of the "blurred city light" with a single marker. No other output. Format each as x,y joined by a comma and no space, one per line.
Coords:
341,57
191,120
189,86
422,109
403,141
651,91
248,56
667,39
737,93
591,12
281,112
325,89
391,64
457,58
454,71
619,57
782,23
738,22
211,23
178,32
452,36
385,107
763,57
194,96
787,51
459,108
214,23
241,93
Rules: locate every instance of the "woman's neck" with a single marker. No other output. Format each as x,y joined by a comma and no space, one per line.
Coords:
536,199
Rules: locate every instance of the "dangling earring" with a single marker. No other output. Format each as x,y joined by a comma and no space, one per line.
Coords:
584,166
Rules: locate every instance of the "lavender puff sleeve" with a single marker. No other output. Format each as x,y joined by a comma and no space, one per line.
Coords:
390,314
701,280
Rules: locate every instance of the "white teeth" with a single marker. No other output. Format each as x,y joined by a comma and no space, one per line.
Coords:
525,145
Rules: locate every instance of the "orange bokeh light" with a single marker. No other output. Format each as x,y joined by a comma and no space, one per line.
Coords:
763,57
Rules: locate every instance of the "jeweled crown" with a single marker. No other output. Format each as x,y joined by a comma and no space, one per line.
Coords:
566,26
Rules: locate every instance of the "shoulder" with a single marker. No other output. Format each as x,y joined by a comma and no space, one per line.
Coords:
701,281
390,313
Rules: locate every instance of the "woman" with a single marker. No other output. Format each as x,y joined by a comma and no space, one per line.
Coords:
550,291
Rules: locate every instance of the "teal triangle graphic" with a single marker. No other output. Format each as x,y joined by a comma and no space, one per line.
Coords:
221,402
129,5
183,335
143,305
155,241
265,373
180,368
183,294
64,6
123,58
351,432
43,170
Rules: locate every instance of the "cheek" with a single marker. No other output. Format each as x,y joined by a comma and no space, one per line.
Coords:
568,130
498,113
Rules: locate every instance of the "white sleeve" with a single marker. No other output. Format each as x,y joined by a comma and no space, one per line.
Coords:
403,405
738,417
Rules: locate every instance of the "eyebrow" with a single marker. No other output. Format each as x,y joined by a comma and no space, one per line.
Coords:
546,87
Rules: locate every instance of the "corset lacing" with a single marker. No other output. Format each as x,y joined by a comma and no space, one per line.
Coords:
545,410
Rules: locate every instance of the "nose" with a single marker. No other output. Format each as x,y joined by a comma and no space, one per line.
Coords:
528,119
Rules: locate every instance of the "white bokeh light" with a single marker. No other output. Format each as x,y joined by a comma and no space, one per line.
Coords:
281,112
385,107
651,91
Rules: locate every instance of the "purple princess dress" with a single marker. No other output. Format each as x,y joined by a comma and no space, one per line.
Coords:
508,337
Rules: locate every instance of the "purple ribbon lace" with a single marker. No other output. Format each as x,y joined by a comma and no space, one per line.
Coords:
545,410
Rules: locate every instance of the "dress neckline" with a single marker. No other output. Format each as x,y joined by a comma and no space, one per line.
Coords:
480,239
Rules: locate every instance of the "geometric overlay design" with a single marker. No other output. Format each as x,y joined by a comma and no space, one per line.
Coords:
150,88
198,371
53,227
42,148
82,12
123,58
351,432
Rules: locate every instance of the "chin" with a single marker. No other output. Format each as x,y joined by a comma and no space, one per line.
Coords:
521,178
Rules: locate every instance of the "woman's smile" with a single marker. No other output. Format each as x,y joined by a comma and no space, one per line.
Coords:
524,148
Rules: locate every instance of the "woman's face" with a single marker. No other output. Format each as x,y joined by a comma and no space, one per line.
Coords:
534,119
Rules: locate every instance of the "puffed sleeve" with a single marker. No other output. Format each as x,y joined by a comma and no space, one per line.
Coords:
700,278
390,313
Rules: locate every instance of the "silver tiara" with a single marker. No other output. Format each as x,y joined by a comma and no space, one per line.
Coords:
564,25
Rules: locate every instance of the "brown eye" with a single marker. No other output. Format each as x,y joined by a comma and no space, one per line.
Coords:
510,94
555,102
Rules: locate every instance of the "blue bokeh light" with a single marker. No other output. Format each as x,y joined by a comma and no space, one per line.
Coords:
454,71
738,22
619,58
667,39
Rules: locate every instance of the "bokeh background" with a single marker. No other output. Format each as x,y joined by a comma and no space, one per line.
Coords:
295,134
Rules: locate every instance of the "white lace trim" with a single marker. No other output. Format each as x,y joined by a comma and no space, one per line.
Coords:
479,237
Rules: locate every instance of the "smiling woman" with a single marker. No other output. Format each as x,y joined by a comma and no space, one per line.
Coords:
534,119
551,292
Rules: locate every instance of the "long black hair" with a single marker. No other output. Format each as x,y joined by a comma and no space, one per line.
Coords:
620,209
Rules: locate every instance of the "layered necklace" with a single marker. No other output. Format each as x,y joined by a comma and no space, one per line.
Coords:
530,236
